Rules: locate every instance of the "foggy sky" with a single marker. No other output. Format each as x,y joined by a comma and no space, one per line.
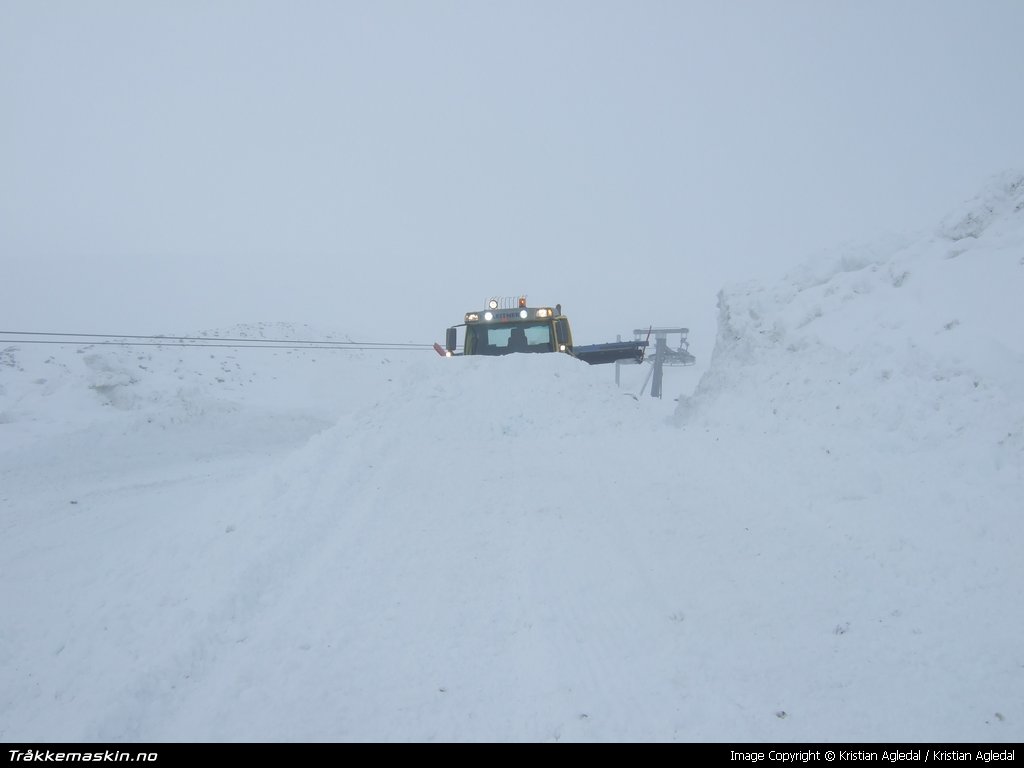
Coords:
382,167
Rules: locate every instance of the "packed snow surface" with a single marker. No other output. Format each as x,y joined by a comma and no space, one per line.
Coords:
819,541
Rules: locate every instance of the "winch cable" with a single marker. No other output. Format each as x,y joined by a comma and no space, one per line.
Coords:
140,340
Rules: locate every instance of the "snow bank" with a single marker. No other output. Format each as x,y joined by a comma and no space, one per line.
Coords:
920,343
874,404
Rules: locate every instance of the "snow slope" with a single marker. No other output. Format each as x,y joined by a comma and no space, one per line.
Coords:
819,544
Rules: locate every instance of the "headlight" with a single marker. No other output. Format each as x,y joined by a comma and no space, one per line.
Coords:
472,317
493,304
488,316
543,313
523,313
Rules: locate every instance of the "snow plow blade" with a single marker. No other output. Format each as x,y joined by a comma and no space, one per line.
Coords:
597,354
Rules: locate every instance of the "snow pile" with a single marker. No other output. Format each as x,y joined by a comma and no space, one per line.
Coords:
819,544
920,343
873,405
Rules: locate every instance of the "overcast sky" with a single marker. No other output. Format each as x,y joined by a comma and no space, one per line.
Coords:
383,167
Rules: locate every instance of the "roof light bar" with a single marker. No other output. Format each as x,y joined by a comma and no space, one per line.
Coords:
507,302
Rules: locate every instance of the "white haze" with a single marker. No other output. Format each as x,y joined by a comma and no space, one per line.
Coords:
385,166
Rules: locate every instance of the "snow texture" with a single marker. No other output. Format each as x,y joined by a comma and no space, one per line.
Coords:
819,542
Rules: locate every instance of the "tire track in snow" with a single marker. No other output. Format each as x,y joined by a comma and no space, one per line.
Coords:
280,519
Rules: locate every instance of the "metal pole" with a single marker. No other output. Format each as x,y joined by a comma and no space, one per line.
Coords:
646,379
618,337
659,360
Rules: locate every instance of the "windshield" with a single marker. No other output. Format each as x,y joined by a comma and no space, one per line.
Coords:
508,337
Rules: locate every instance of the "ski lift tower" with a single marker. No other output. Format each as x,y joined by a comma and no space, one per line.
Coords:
665,354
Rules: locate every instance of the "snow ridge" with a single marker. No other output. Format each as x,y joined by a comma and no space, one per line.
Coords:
921,340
